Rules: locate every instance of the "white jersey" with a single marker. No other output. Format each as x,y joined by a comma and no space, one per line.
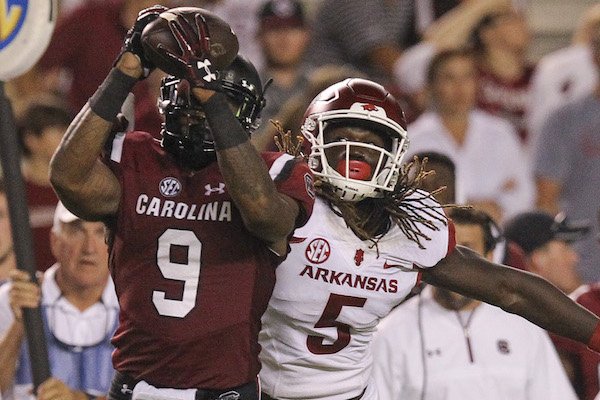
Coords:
330,294
423,348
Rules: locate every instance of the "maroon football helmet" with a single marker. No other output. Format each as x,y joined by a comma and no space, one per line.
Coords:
368,103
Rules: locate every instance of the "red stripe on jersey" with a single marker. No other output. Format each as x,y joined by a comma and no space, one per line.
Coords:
419,278
291,181
451,237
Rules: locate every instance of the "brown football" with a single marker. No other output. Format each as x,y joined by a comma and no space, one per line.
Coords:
224,44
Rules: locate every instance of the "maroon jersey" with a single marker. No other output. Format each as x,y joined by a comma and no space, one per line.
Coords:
506,99
192,282
587,362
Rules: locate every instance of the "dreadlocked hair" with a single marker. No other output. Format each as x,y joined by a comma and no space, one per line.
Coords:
405,207
372,218
286,142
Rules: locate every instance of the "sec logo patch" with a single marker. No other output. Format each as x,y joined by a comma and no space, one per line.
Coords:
318,251
169,187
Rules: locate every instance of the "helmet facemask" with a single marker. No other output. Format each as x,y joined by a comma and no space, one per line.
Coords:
185,132
348,175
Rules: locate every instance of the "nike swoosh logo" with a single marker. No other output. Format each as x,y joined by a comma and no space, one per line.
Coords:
296,239
403,267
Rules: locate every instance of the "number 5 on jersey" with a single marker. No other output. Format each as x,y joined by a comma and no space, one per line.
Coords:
328,320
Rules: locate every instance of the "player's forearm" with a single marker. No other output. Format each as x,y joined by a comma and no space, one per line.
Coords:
537,300
245,173
10,347
515,291
82,182
80,148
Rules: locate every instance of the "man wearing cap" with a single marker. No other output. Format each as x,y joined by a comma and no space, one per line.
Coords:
79,311
546,243
283,35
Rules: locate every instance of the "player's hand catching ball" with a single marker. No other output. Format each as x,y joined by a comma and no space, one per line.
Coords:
194,59
132,41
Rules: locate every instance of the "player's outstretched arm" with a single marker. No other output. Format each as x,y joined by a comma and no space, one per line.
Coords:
515,291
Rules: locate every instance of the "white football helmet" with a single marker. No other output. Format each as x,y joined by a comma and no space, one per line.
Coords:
366,102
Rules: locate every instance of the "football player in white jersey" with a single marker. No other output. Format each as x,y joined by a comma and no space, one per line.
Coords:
373,236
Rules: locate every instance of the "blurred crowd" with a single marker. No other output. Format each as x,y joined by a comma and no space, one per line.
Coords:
522,136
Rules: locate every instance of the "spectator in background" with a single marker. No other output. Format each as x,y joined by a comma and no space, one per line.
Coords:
547,245
80,313
291,115
7,255
564,75
501,41
368,38
84,46
567,166
584,363
442,345
498,33
41,128
283,35
371,39
491,167
242,16
444,175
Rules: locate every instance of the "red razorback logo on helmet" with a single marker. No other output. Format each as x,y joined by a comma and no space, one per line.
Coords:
369,107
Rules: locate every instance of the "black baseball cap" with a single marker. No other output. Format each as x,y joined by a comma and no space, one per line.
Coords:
276,14
532,230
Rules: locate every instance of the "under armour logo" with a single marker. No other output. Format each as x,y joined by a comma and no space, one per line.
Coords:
125,389
210,190
209,75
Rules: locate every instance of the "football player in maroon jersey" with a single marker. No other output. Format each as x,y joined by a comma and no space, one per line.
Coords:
198,221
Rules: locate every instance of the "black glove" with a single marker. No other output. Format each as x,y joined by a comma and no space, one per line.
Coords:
195,53
132,41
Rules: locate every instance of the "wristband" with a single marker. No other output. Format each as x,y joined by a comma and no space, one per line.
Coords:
226,129
110,95
594,342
